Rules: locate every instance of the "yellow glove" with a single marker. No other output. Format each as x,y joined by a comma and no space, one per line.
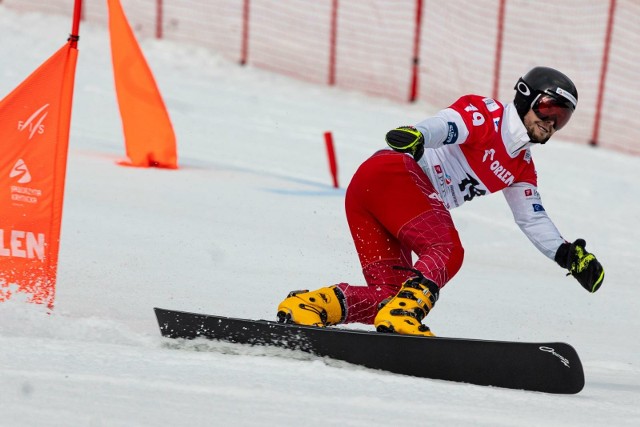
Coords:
406,139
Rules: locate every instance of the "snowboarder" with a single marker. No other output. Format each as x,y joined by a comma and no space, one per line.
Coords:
398,203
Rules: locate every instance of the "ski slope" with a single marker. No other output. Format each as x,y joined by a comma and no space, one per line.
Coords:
250,215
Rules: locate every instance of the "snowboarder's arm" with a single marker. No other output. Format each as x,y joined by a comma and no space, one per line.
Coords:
528,213
525,203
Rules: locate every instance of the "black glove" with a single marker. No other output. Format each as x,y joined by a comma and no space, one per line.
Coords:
581,264
406,139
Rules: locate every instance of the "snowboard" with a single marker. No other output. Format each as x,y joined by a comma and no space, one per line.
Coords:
550,367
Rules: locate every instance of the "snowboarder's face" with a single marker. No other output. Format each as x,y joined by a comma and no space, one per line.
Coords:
538,130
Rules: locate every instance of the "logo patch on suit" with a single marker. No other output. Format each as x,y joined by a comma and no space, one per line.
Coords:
537,207
491,104
452,135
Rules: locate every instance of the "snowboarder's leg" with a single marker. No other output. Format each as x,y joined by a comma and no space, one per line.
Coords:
393,210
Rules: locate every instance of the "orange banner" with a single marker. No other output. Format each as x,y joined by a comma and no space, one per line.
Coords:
148,133
34,138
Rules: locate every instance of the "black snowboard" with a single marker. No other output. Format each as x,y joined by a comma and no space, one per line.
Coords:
552,367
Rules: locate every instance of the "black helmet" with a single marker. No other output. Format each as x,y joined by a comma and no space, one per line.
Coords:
546,84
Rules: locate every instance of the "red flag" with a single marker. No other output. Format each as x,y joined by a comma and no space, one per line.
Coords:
34,138
148,133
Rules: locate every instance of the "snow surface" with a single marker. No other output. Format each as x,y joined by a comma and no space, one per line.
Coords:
249,216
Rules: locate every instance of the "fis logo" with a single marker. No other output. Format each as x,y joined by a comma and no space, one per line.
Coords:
34,123
21,172
452,133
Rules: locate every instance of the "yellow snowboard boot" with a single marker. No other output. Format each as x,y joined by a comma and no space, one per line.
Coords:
322,307
403,313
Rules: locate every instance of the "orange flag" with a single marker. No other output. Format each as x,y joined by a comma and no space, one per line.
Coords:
34,138
148,133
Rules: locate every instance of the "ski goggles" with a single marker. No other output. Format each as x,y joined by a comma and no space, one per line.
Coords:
548,107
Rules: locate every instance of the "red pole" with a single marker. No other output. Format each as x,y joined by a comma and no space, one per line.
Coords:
75,27
498,58
603,74
331,153
244,53
333,37
413,95
159,17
